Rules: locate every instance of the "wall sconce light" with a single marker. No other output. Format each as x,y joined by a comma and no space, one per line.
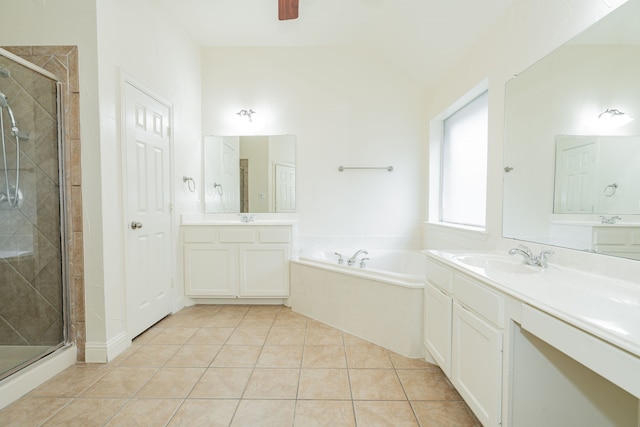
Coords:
614,117
246,113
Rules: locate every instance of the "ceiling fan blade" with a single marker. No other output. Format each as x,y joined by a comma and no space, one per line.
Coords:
287,9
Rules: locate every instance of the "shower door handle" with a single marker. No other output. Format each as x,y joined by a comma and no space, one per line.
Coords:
135,225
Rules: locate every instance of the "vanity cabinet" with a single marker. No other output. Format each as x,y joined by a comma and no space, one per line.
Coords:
617,240
476,363
210,270
463,333
236,261
437,326
438,304
534,347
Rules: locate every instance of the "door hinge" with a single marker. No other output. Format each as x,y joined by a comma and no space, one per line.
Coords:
170,207
168,131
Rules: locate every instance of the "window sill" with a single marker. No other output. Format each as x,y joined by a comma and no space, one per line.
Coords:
478,233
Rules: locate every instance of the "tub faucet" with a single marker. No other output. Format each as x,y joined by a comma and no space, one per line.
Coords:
353,259
340,259
363,262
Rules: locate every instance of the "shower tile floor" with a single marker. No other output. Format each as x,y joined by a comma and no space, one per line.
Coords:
231,365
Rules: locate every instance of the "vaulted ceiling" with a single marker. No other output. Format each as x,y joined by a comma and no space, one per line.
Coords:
421,38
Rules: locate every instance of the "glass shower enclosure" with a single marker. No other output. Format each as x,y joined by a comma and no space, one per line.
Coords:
33,284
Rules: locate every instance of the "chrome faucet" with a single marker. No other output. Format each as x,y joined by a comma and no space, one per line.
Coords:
528,257
247,217
612,220
353,259
340,259
363,262
542,258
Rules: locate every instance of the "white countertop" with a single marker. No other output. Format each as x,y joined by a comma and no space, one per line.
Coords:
594,224
604,307
232,219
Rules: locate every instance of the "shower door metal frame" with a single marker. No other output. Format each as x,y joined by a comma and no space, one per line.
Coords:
64,226
64,218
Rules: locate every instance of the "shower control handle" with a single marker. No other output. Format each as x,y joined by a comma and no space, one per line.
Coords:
135,225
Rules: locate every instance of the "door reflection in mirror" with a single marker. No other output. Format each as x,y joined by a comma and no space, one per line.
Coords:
256,173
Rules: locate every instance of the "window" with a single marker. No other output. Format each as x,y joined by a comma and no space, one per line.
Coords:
462,153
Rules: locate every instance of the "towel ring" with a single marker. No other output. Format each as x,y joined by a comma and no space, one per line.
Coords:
191,183
610,190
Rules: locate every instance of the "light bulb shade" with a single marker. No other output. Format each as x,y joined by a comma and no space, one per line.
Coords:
246,113
614,118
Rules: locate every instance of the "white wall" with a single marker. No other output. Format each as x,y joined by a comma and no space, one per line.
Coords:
140,40
345,108
527,32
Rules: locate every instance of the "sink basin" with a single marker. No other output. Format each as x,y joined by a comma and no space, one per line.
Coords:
497,263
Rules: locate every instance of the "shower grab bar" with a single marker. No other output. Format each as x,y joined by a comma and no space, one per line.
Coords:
343,168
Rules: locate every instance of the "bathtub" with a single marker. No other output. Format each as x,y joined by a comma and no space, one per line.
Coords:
381,303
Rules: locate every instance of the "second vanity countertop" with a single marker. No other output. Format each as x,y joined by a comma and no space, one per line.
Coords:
604,307
232,219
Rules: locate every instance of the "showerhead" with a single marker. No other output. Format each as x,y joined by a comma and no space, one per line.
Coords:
4,103
4,72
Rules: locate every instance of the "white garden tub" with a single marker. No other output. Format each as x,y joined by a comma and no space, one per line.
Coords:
381,303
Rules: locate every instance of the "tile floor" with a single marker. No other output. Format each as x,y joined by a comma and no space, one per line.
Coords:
213,365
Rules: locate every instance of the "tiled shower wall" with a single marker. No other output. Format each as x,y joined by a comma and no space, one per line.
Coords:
63,62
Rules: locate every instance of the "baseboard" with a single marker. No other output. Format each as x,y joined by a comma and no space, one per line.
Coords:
96,352
238,301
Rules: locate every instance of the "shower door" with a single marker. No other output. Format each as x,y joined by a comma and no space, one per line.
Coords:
32,255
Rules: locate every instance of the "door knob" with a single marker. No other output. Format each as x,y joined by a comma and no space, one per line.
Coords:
135,225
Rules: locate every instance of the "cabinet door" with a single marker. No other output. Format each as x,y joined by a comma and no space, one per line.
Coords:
210,270
264,270
437,326
476,364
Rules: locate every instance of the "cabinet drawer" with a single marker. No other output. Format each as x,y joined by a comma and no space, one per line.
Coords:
479,298
237,235
274,235
439,275
619,236
198,235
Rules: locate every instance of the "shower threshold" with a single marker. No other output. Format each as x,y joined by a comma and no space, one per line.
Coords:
14,357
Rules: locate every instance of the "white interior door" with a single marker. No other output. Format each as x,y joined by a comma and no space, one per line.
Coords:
576,178
231,174
285,188
148,211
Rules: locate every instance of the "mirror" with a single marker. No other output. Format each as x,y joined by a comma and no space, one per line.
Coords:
252,174
571,177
